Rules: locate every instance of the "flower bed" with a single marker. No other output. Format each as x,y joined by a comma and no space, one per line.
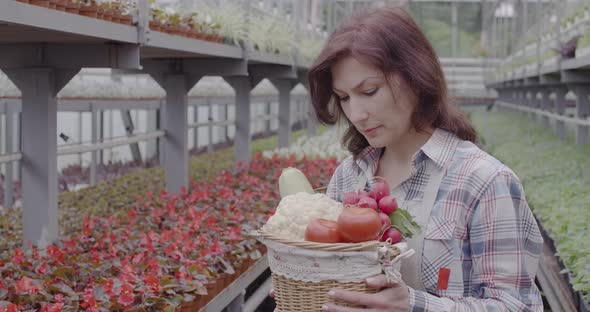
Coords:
556,178
322,146
159,253
112,11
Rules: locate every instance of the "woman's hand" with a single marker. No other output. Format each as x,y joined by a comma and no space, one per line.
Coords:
390,298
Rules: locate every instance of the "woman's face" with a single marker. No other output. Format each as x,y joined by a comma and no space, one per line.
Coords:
368,101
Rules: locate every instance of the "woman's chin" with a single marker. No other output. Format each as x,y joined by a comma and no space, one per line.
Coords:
375,142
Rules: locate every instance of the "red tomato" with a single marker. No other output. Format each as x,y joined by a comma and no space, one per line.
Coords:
357,224
322,231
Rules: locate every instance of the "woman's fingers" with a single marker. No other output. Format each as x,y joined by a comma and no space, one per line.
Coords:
353,297
271,293
380,282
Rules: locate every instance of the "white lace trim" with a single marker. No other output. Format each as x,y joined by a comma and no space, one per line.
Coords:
316,266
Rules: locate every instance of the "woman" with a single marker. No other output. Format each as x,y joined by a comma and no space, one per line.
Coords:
479,246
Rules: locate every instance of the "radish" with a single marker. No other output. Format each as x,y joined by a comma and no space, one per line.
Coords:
388,204
385,220
368,202
351,198
379,190
394,234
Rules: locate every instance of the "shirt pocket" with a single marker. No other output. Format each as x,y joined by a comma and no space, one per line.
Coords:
440,250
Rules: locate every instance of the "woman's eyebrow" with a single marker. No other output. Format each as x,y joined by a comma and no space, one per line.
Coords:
358,85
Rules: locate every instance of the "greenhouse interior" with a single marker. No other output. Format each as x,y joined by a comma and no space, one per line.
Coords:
150,151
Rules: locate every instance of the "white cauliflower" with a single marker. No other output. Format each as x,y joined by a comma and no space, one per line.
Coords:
296,211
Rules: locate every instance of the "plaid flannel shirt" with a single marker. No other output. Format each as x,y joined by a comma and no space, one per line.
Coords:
481,227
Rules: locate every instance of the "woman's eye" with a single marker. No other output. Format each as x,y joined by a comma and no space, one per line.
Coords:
343,98
371,92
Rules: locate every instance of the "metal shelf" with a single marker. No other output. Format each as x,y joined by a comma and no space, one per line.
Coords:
576,63
261,57
235,289
20,23
162,45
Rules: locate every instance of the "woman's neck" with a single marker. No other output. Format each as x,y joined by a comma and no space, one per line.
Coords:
402,151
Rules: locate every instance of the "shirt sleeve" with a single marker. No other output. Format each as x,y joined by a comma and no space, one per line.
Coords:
335,185
505,245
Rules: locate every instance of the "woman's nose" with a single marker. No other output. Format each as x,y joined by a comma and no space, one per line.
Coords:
357,111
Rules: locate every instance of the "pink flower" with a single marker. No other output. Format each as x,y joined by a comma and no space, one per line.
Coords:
19,256
11,307
25,286
126,298
152,282
42,268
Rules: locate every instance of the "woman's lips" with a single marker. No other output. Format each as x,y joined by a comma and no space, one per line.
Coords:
371,131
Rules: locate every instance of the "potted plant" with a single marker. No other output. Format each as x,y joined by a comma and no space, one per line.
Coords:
89,8
157,17
60,5
72,6
41,3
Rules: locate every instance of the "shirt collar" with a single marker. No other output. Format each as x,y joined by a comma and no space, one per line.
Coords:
439,148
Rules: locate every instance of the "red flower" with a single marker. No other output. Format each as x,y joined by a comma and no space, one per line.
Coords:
153,283
11,307
126,298
235,233
70,245
56,254
88,225
25,286
42,268
132,215
108,286
91,305
19,256
89,301
52,308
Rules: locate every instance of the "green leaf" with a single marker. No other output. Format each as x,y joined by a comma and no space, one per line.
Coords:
403,221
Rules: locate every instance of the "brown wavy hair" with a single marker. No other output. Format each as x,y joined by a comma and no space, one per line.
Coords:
389,39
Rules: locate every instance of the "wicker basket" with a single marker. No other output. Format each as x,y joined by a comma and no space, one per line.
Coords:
292,295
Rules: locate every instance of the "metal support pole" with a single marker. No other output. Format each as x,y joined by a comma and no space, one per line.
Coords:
222,130
533,103
161,117
196,129
236,304
243,135
560,109
545,105
176,159
80,136
268,123
129,127
285,121
101,135
210,127
39,88
582,110
93,136
152,125
9,177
